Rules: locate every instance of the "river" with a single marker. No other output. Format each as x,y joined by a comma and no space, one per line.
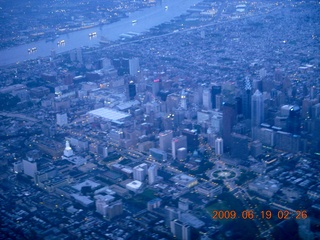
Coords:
143,20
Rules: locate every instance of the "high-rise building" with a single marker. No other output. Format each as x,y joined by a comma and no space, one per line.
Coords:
180,230
229,119
257,111
178,142
134,66
215,90
171,214
246,100
216,121
182,154
114,209
257,114
183,100
218,146
68,152
156,86
165,139
206,99
293,120
152,174
192,139
131,90
140,172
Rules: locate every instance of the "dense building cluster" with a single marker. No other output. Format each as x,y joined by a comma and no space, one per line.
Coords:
144,138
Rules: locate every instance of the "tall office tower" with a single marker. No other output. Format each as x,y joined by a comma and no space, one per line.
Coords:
171,214
62,119
240,146
134,66
229,119
183,100
165,139
156,87
114,209
131,90
178,142
246,99
219,101
192,139
257,111
140,172
215,90
29,167
180,230
68,152
218,143
293,120
152,174
206,99
216,121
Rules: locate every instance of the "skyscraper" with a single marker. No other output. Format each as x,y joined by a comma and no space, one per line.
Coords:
134,66
183,100
206,98
180,230
140,172
68,152
257,111
293,120
152,174
165,139
215,90
219,146
171,214
178,142
131,90
192,139
229,119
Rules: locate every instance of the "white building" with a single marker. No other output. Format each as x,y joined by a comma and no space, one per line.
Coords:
219,146
134,66
134,185
206,99
152,174
178,142
140,172
68,152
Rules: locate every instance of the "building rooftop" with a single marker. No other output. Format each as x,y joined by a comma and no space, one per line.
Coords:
108,114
